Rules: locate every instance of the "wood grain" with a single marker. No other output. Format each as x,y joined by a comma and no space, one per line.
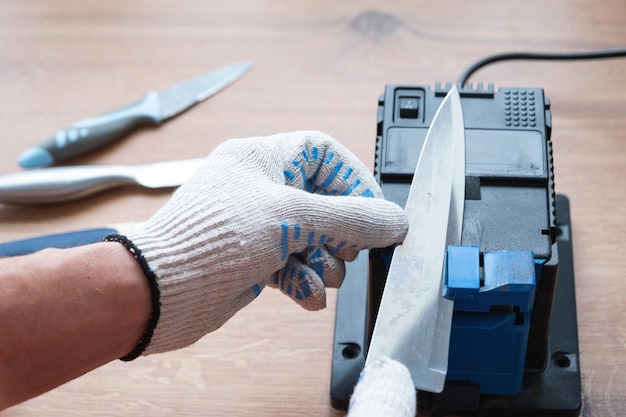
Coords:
317,65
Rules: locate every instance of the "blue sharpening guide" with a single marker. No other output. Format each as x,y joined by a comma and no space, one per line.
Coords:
491,316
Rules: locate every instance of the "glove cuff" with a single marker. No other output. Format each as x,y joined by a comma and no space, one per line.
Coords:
155,295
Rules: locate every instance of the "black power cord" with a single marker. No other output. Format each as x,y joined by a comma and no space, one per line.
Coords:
601,54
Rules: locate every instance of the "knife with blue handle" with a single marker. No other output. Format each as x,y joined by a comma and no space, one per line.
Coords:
155,108
61,240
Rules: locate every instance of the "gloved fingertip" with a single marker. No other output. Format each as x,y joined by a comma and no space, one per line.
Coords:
385,388
257,288
313,303
311,295
301,283
347,254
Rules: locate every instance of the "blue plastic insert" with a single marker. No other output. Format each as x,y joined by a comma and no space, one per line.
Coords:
491,317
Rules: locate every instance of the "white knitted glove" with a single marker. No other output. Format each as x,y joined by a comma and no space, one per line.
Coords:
284,210
385,389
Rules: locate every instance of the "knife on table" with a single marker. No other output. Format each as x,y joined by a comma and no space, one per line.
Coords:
57,184
414,319
62,240
153,109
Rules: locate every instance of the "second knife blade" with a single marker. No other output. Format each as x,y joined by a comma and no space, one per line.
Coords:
56,184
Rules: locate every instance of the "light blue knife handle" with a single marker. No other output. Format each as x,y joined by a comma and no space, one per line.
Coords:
61,240
94,132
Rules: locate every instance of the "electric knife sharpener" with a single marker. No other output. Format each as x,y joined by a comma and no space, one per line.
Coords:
514,342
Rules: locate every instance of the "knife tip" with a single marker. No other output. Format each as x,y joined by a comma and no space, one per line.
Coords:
245,65
242,66
35,158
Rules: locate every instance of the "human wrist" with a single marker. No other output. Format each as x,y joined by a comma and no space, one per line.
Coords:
146,279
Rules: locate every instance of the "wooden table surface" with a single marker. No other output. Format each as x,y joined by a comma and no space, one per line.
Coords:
317,65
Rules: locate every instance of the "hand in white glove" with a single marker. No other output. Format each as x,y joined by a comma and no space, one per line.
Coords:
385,389
284,210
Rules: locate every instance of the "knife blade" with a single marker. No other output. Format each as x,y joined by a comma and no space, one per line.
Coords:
155,108
62,240
56,184
414,319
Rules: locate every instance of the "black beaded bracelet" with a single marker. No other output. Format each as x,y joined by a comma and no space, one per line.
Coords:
154,291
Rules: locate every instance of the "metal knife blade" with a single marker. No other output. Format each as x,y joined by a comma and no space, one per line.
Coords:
414,319
180,97
155,108
56,184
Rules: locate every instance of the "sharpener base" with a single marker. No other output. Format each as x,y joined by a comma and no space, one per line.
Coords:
553,392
